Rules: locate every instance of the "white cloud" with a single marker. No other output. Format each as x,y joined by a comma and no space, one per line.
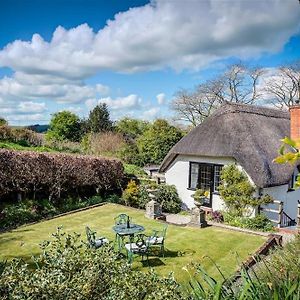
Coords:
31,107
22,86
162,33
161,98
151,113
120,103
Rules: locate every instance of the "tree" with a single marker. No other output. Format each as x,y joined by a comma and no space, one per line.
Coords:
2,121
237,84
99,119
284,87
154,144
237,191
64,125
131,128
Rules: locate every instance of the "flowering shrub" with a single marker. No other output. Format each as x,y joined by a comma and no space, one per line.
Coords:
216,216
53,174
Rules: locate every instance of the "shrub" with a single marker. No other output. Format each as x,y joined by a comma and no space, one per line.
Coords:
21,136
131,194
129,153
238,193
259,222
63,146
104,143
54,174
168,197
134,170
68,269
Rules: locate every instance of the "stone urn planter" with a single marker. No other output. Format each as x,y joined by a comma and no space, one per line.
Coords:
153,208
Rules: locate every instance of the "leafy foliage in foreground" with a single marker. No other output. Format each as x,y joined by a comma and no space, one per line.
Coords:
68,269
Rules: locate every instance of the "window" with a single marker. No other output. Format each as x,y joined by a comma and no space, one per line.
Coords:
194,175
217,178
205,176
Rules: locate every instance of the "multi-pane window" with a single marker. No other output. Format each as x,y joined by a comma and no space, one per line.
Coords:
194,175
205,176
217,178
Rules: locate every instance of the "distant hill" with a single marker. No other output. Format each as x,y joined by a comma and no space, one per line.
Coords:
38,128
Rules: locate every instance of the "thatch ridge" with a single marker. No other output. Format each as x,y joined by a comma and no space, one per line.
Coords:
249,134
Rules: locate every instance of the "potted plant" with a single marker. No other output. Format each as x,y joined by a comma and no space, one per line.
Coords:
200,197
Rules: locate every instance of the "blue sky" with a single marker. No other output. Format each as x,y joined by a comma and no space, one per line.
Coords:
132,55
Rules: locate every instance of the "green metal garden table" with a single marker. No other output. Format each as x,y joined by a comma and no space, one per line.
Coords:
122,231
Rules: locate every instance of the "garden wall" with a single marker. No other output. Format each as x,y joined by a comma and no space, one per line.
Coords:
53,174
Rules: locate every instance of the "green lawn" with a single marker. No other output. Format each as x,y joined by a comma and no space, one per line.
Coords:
184,244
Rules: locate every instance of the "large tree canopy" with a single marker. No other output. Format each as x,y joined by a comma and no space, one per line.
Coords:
156,142
64,125
99,119
131,128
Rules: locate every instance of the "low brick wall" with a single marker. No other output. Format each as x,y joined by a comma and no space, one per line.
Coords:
273,241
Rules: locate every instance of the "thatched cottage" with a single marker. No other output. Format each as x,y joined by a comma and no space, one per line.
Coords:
248,136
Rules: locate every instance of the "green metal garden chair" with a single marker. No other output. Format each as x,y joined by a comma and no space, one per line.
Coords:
122,219
157,239
93,241
138,246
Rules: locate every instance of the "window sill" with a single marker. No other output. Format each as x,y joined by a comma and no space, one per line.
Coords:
190,189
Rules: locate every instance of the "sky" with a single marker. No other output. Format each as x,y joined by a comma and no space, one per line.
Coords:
132,55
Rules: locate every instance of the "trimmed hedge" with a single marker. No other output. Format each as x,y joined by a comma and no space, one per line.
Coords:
54,173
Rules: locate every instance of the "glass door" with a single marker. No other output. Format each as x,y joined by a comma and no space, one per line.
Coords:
206,181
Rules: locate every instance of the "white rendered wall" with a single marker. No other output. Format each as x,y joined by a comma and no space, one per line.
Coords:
289,198
178,174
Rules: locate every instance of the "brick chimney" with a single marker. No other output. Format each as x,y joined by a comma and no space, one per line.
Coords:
295,121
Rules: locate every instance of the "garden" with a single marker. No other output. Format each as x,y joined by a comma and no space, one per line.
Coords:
184,245
44,254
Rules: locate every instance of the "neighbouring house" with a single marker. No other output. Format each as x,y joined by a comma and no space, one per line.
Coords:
248,136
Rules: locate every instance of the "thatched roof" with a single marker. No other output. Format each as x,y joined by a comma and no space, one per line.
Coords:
250,134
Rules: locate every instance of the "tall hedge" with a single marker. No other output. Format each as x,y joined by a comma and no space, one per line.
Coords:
54,174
